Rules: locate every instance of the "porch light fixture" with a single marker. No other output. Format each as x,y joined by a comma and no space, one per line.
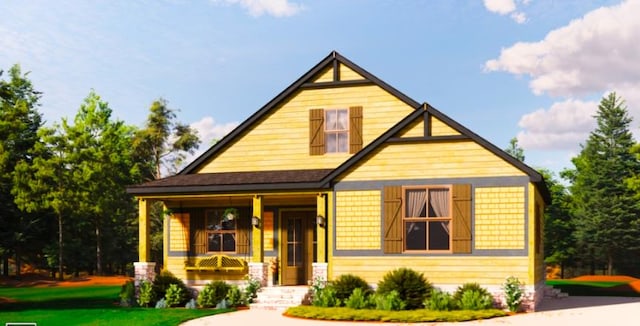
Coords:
255,221
320,220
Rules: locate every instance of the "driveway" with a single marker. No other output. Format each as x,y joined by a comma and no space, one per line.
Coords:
601,311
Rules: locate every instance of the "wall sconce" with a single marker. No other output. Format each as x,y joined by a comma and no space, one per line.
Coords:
255,221
320,220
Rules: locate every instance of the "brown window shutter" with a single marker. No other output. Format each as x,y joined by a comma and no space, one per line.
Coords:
355,129
243,229
462,219
316,132
198,232
392,219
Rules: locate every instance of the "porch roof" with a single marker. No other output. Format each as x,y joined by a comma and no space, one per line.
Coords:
234,181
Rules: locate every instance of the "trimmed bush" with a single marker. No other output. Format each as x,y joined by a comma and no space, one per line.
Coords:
346,283
213,293
174,295
251,290
128,294
474,300
162,304
235,297
191,304
146,294
412,287
326,297
390,301
457,296
513,293
162,282
440,301
357,300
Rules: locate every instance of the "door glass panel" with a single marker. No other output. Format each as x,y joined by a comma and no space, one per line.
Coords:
294,242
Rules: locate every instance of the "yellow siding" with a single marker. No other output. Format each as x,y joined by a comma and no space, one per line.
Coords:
325,76
499,218
274,150
439,270
347,74
439,128
179,232
431,160
358,220
415,129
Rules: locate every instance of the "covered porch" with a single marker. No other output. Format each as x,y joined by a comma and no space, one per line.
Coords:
277,238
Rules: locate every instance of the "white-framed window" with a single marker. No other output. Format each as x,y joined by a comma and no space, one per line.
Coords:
336,130
427,218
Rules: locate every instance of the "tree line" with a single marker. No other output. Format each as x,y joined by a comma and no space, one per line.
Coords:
593,224
63,204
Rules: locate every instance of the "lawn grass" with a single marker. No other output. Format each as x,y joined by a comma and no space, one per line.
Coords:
86,305
405,316
594,288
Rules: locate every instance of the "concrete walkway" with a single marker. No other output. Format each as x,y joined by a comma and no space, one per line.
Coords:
601,311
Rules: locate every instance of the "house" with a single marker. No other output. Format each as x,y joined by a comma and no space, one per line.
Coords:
342,173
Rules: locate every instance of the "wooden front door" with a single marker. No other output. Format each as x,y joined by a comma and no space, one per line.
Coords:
298,246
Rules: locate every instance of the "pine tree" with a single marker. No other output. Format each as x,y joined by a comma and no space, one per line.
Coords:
604,207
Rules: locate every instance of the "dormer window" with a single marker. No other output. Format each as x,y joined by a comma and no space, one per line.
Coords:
336,131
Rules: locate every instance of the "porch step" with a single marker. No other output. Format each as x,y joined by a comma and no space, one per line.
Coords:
279,297
553,293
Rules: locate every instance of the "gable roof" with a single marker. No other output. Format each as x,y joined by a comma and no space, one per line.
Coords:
305,81
426,109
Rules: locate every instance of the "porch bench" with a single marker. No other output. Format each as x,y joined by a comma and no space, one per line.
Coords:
218,263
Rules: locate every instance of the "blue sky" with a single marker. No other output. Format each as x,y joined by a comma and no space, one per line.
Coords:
534,69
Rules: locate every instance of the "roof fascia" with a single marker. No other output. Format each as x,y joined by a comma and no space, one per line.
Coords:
534,175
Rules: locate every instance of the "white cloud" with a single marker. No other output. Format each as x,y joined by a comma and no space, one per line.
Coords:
276,8
564,126
597,52
209,130
519,17
504,7
501,7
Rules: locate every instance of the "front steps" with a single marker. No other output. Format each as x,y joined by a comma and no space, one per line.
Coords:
279,297
553,293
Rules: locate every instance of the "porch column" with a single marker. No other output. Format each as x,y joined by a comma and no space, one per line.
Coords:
321,210
144,244
144,269
258,269
320,265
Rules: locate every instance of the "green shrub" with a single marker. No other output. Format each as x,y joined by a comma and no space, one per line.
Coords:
474,300
235,297
440,301
145,294
251,290
513,293
174,295
357,300
326,297
162,282
457,295
389,301
412,287
346,283
191,304
128,294
213,293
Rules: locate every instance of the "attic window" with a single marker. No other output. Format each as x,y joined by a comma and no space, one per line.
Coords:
336,130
